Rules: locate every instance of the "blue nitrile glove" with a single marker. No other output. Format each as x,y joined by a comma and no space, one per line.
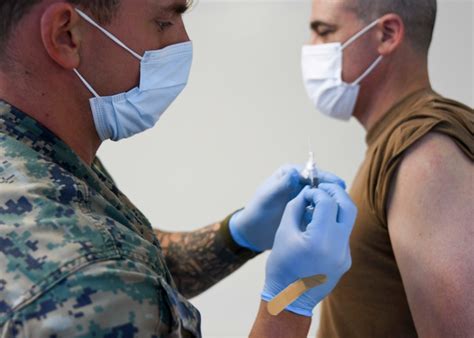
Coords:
320,247
255,226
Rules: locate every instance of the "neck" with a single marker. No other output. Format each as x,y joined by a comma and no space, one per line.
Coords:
393,86
67,117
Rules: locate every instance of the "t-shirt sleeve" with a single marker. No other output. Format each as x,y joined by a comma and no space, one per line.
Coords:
389,154
107,299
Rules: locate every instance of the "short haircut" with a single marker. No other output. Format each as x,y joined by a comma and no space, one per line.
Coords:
12,11
419,17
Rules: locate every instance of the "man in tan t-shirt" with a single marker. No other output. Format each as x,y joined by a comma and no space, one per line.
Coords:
412,246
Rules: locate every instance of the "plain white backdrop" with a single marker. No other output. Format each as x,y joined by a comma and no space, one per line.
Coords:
243,115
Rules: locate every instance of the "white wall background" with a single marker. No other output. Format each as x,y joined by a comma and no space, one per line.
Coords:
243,115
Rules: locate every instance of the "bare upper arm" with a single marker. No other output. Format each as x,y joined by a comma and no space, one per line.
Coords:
431,225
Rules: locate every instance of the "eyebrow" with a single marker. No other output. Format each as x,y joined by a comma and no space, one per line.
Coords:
176,8
314,25
181,7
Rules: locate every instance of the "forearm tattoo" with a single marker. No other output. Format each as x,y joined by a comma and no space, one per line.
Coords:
200,259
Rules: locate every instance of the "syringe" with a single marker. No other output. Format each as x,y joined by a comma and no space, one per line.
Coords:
310,172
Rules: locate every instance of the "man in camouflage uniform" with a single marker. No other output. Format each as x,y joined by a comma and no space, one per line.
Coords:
77,258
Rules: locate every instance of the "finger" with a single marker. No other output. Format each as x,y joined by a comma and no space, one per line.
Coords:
289,181
283,170
297,207
283,185
325,209
327,177
347,209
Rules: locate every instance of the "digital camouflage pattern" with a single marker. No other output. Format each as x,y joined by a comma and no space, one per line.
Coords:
77,259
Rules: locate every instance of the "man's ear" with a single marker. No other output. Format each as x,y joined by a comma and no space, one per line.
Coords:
391,34
61,34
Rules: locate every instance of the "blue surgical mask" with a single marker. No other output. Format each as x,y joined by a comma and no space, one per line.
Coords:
163,75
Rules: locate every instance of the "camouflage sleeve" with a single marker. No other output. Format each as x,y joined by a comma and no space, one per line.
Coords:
198,260
107,299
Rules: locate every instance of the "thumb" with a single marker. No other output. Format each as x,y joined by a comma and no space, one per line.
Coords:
296,209
325,211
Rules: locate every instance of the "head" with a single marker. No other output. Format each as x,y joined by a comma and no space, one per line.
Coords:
402,36
43,41
59,39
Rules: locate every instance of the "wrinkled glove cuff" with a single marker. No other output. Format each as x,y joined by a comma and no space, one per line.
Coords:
242,252
237,236
291,308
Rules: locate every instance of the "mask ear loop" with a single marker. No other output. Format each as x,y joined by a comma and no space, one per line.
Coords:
354,38
108,34
368,71
359,34
86,83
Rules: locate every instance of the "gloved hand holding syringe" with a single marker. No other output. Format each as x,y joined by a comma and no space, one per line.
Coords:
298,288
304,216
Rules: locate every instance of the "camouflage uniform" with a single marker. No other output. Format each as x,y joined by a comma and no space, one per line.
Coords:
77,259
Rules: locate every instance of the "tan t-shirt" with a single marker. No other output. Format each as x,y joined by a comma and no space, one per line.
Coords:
370,300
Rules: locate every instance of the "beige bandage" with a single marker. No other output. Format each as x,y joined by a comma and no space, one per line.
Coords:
292,292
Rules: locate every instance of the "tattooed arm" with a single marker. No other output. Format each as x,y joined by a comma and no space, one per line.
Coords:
200,259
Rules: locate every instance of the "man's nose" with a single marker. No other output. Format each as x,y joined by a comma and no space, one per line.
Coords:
183,33
315,40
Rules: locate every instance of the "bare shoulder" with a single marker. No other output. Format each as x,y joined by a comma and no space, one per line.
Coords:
434,176
434,158
432,165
